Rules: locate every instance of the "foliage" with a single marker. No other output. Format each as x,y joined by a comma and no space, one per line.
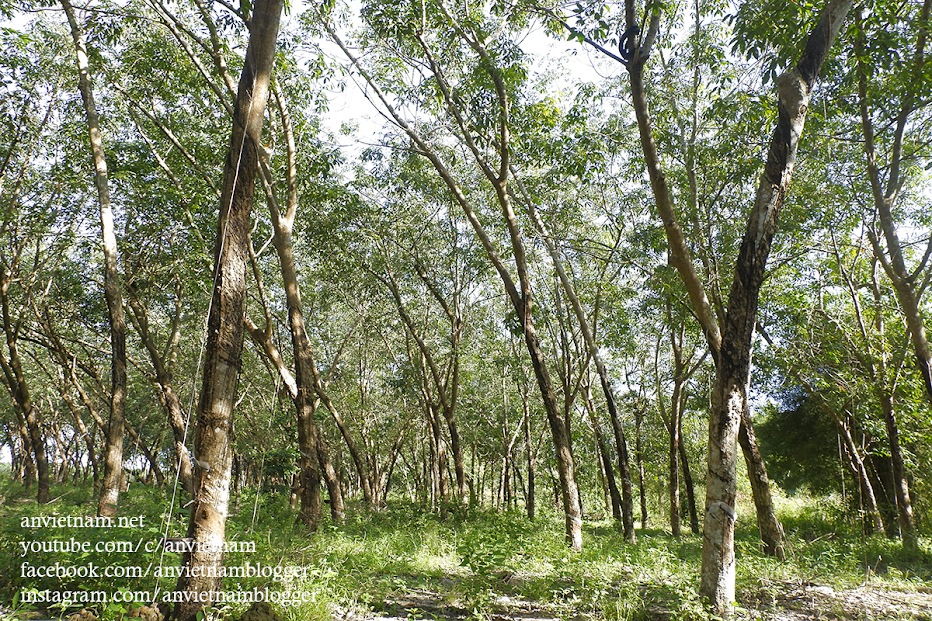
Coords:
476,557
392,273
797,444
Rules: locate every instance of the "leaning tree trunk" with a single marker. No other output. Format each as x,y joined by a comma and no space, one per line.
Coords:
167,395
624,468
729,397
604,455
113,453
771,532
856,464
904,505
730,343
688,484
885,197
214,451
30,429
315,459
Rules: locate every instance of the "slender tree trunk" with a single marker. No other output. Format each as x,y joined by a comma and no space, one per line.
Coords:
333,482
904,283
688,484
207,524
771,532
673,449
566,470
904,504
605,460
446,385
26,412
38,450
82,429
167,396
624,469
530,504
730,343
315,458
866,489
113,453
639,456
459,464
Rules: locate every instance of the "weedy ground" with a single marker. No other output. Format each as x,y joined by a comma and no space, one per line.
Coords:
409,563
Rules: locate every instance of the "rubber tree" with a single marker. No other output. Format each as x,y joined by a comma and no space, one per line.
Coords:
710,311
213,435
113,452
315,460
880,362
592,348
494,167
887,178
730,341
25,252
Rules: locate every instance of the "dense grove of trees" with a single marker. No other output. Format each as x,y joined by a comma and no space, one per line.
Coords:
524,288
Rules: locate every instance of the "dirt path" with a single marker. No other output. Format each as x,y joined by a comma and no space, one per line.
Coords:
776,601
792,601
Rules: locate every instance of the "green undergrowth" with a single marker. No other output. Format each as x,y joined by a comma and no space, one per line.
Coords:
473,562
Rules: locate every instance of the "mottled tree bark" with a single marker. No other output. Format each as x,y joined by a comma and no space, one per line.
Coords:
213,448
113,452
771,532
730,342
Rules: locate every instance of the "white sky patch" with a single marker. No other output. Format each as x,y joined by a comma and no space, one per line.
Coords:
355,116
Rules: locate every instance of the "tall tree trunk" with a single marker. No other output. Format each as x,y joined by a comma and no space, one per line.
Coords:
674,465
674,426
27,415
310,474
207,524
894,265
566,470
606,460
730,343
315,457
113,453
624,468
530,504
639,457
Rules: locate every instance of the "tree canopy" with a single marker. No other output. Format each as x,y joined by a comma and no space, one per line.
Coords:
532,255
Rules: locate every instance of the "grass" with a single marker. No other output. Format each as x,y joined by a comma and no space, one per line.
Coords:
474,559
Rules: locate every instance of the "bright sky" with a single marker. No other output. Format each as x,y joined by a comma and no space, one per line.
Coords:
570,61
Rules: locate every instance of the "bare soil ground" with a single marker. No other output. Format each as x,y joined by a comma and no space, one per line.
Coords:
792,601
775,601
